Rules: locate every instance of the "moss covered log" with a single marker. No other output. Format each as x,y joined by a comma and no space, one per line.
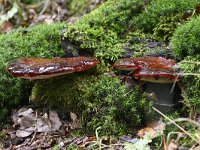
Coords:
64,92
157,9
102,31
105,31
39,41
102,101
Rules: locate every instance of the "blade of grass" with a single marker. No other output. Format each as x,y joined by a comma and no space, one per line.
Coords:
193,138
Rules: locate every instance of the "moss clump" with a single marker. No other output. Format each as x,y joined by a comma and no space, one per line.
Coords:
185,41
157,9
100,100
113,107
101,32
166,27
191,84
39,41
63,93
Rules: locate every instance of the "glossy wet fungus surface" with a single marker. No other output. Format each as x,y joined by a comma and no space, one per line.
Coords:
152,69
40,68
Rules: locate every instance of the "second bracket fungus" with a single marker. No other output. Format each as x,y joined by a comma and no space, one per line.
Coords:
158,72
151,69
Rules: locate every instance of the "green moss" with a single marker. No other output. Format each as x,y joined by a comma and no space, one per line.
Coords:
39,41
100,100
185,40
186,47
102,31
191,84
166,27
137,44
157,9
113,107
63,93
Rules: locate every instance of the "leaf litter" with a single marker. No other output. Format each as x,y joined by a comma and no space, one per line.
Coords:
42,129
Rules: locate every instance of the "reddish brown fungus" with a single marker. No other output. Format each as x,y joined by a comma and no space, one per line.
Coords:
157,77
40,68
152,69
128,64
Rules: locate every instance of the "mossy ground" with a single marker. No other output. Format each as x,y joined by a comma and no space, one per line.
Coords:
103,33
102,36
106,35
102,101
157,9
64,92
190,84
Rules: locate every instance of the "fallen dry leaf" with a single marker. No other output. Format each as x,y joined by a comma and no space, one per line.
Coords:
142,132
154,129
76,123
42,125
24,132
55,121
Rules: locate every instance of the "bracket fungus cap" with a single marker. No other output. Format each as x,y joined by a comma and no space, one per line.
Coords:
40,68
127,64
150,69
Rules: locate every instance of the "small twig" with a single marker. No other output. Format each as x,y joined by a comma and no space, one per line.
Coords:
185,119
180,135
171,133
174,84
43,147
119,144
193,138
44,137
45,7
19,146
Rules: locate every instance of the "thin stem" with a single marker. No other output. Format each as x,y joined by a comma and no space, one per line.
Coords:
193,138
185,119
